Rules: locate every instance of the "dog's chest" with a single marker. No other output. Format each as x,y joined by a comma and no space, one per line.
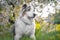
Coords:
22,27
28,28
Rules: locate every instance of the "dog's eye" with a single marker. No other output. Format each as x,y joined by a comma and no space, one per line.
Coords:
28,8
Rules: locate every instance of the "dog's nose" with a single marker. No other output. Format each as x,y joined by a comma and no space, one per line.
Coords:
34,15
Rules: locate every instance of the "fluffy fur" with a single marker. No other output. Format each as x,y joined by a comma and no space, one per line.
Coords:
24,24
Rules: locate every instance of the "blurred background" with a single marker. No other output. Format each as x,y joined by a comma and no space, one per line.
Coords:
47,22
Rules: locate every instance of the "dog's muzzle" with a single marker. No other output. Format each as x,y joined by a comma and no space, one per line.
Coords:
32,16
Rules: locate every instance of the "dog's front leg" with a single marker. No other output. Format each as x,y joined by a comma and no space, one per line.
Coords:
17,37
32,36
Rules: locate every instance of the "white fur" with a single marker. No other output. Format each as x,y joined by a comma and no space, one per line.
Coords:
25,25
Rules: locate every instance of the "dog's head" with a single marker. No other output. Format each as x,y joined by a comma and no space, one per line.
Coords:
28,11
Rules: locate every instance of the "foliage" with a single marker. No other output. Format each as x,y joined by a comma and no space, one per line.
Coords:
53,35
39,36
57,17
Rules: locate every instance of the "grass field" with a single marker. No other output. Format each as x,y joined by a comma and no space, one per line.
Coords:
39,36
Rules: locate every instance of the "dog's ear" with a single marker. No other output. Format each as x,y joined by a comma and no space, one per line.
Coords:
24,6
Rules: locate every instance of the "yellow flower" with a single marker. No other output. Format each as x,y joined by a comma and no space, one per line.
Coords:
58,27
38,25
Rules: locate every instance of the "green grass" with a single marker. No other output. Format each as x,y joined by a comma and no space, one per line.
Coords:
6,36
39,36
